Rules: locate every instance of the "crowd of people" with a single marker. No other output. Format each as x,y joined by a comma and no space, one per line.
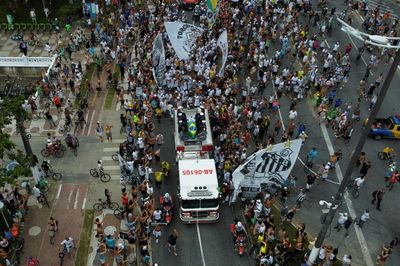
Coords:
261,36
242,106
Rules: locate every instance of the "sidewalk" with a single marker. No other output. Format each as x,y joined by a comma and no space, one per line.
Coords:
67,202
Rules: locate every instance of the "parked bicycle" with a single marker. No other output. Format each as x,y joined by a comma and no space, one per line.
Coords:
104,204
96,173
354,189
35,42
43,200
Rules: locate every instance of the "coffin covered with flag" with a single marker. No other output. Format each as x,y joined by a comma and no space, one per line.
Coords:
265,170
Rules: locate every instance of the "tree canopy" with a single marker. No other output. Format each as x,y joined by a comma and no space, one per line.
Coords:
11,108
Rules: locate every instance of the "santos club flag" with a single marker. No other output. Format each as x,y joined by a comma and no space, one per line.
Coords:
183,37
222,43
266,170
212,11
158,57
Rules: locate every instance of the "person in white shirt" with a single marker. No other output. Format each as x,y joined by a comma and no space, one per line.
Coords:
363,218
359,181
346,261
292,114
341,220
36,191
68,244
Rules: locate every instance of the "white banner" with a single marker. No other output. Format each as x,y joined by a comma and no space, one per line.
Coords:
266,169
222,43
158,57
183,37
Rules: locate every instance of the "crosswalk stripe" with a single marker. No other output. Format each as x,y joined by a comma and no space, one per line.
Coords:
115,177
119,140
113,149
111,167
383,7
106,158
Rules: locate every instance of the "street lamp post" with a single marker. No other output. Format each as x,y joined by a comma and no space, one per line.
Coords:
354,156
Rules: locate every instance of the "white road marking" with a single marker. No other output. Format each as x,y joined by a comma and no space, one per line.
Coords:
113,149
115,177
59,192
91,122
200,244
69,197
76,199
106,158
111,167
360,236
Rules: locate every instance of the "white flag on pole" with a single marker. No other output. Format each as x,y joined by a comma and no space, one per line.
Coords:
266,169
222,43
158,58
183,37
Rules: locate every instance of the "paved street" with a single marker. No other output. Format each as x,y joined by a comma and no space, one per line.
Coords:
211,244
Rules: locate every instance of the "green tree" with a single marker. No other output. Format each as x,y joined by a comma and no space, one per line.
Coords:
11,108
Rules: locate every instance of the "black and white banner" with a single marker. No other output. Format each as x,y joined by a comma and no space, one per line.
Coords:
158,57
266,168
183,37
222,43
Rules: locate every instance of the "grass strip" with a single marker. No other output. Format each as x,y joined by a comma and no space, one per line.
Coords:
84,239
112,89
84,85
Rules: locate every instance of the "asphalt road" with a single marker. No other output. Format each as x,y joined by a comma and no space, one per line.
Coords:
211,244
383,225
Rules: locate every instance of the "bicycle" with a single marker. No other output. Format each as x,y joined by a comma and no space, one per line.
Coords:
354,189
104,177
62,253
119,213
104,204
64,128
54,175
43,199
57,152
35,42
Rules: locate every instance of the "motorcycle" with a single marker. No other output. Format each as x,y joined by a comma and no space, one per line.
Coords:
239,240
167,210
241,244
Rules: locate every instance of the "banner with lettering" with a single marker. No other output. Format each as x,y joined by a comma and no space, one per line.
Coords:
158,58
212,11
183,37
265,170
222,43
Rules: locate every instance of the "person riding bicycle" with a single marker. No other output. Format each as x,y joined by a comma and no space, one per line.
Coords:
67,114
359,181
311,156
32,261
107,193
45,166
52,227
100,165
387,152
71,141
67,244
